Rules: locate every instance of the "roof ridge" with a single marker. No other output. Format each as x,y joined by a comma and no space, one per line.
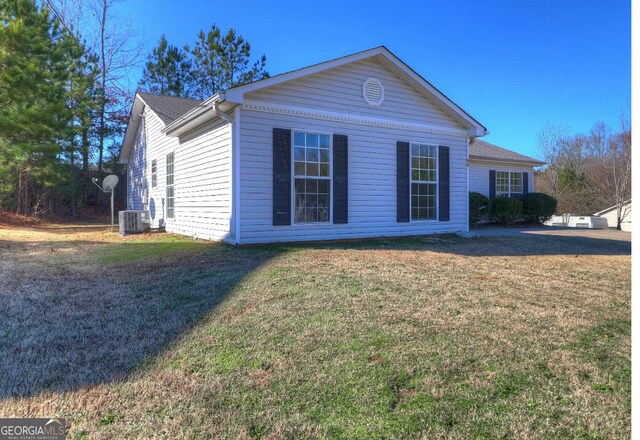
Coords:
169,96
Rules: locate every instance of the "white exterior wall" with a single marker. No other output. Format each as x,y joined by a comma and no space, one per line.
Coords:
479,174
372,152
612,218
135,170
372,181
202,178
340,90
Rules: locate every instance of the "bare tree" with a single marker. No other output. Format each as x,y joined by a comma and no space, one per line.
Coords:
111,38
587,173
609,168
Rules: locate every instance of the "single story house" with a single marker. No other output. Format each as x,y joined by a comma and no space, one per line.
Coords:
611,214
495,171
359,146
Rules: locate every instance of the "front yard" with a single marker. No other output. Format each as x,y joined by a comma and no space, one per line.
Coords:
160,336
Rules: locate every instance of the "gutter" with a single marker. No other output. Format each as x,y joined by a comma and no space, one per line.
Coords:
508,161
195,113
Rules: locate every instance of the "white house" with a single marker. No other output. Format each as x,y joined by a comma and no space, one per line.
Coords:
495,171
359,146
611,214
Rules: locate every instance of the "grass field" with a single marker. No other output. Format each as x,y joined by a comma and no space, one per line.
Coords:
159,336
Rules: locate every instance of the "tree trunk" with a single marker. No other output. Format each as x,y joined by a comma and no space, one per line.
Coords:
23,193
103,83
85,148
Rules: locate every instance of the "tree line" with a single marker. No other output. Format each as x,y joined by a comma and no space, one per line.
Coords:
67,83
586,173
216,62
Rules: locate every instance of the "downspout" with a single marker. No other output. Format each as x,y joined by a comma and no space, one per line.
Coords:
235,175
467,198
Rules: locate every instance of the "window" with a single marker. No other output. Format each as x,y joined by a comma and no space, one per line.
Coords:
423,181
170,192
508,183
154,173
312,177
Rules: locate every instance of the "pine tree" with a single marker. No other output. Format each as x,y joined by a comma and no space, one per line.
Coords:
167,70
34,115
222,62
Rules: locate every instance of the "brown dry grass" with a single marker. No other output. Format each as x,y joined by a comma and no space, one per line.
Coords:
160,336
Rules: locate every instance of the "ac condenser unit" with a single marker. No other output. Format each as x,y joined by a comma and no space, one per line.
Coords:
133,222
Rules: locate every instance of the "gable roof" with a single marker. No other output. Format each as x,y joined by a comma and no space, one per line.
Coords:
235,95
614,207
482,150
168,108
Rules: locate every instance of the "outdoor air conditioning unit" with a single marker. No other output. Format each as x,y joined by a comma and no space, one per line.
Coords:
133,222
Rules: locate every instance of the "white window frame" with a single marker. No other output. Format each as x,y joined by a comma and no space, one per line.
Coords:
436,182
510,193
172,185
293,177
154,173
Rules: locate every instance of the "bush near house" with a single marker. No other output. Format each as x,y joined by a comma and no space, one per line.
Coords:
479,206
538,207
506,210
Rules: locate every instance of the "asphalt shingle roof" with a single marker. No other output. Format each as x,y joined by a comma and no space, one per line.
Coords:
484,150
168,108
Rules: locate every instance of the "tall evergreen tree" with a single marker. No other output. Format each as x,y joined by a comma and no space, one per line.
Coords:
167,70
221,62
34,115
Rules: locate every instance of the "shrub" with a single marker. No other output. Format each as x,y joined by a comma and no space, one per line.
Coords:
506,210
538,207
479,205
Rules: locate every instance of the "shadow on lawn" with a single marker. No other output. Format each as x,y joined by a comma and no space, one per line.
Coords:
523,245
67,326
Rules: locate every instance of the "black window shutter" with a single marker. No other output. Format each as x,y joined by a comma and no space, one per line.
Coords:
403,182
281,177
340,179
492,184
525,183
443,183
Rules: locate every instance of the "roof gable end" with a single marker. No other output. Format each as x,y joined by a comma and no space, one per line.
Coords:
384,57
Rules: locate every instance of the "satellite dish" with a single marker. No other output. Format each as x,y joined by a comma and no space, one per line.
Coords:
109,182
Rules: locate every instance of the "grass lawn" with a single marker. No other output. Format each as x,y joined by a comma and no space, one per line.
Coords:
160,336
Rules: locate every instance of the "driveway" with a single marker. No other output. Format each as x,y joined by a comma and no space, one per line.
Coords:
501,231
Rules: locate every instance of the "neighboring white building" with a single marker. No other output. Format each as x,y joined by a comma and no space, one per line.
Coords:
611,214
360,146
495,171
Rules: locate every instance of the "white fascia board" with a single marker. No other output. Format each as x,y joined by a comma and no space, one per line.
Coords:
490,161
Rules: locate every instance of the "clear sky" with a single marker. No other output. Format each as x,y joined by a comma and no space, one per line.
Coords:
513,65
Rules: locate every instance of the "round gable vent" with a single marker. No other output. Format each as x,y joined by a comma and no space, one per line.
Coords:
373,91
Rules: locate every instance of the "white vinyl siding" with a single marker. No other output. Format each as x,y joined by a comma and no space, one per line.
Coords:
136,170
479,174
372,181
340,90
202,179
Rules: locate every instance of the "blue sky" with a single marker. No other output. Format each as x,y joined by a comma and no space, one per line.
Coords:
513,65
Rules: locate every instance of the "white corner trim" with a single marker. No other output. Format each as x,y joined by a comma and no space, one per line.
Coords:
266,107
235,174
